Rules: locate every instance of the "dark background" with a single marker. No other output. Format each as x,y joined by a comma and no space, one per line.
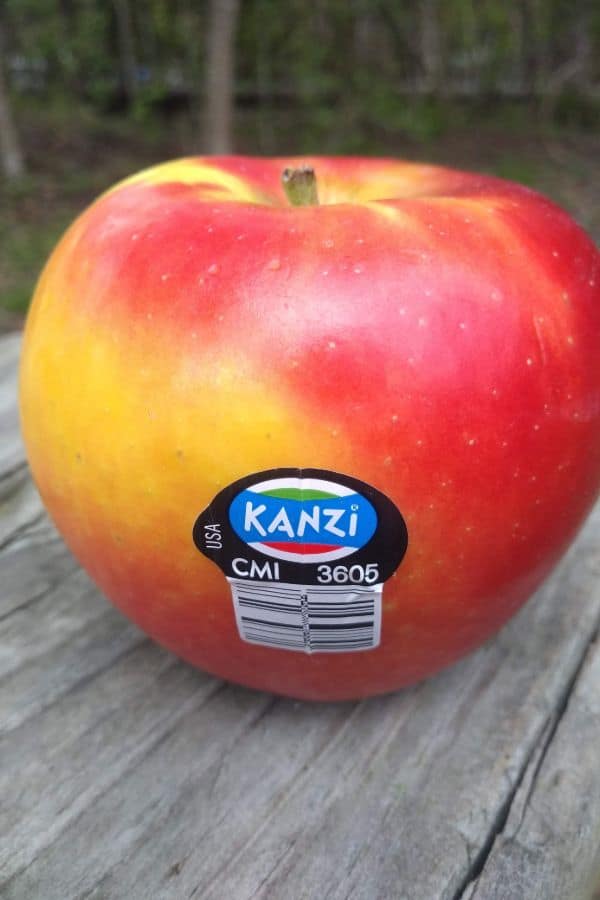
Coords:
92,90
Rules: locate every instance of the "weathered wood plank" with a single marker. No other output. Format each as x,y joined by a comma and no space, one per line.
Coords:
11,448
20,507
91,739
243,797
127,774
437,784
37,684
549,847
24,582
60,615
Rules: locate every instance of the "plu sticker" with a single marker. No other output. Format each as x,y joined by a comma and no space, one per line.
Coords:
306,553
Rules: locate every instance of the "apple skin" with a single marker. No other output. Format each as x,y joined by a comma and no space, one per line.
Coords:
443,345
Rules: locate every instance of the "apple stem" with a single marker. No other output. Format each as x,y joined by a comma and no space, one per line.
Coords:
300,186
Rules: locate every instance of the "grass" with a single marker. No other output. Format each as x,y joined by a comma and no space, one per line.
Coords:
24,249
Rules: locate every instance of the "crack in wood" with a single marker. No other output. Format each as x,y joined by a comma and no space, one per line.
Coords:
12,478
468,888
274,867
52,585
21,531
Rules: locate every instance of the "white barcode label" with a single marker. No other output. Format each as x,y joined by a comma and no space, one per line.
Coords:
308,618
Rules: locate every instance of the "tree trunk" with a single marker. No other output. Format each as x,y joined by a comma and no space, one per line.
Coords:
431,45
220,75
363,32
11,157
583,45
127,61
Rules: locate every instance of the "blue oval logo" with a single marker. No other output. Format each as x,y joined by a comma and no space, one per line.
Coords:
304,520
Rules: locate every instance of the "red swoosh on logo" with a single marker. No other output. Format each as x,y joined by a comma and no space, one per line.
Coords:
301,548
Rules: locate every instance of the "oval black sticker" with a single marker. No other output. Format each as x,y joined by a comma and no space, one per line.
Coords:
303,526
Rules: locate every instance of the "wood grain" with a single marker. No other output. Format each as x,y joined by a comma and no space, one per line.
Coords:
127,774
549,846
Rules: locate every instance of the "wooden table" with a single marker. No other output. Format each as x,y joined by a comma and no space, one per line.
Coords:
127,774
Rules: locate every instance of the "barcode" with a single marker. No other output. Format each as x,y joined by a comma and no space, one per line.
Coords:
311,619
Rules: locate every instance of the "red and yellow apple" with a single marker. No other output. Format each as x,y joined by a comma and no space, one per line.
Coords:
433,333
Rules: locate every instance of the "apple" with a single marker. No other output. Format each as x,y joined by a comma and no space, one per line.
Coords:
317,437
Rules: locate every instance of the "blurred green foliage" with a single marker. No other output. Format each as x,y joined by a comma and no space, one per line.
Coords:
383,60
99,88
